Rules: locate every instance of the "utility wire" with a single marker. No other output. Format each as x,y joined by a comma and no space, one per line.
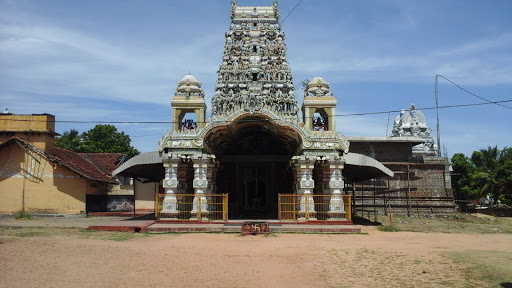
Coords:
482,98
290,12
261,120
147,135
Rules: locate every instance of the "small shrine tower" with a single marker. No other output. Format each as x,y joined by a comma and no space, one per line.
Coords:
319,106
188,98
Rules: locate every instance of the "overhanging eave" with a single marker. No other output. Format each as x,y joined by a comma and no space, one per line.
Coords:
359,167
144,166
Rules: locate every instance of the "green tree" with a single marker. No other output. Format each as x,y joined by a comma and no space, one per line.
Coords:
487,172
462,178
488,163
106,139
69,140
504,174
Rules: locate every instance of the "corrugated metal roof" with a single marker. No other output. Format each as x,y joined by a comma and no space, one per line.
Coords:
361,167
142,159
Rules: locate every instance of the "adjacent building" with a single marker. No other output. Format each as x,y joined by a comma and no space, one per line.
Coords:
37,177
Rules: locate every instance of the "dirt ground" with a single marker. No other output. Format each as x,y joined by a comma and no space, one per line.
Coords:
51,257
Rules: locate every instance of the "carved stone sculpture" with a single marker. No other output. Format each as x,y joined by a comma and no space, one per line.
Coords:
254,52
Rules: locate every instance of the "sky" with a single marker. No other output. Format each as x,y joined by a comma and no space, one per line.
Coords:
120,60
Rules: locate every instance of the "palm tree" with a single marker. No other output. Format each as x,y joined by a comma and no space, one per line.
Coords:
488,163
69,140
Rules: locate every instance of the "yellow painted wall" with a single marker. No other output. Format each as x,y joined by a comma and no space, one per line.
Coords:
39,130
48,187
35,123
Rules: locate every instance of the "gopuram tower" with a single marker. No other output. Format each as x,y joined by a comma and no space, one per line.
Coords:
254,73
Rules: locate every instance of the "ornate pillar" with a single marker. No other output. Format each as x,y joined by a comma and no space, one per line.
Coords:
336,184
305,191
170,183
200,184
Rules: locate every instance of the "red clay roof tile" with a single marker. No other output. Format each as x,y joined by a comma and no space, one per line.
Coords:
93,166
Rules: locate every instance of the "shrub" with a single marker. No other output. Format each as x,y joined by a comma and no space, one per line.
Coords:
22,215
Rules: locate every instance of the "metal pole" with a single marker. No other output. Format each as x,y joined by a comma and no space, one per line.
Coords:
408,191
134,197
437,111
374,202
362,199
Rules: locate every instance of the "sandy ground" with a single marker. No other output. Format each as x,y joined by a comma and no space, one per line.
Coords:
379,259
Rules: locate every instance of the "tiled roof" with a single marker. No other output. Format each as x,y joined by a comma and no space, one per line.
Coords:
80,164
98,167
106,161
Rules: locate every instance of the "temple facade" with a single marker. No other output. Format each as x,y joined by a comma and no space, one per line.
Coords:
257,156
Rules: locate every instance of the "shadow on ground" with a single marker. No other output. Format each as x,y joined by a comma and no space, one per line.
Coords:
358,220
149,216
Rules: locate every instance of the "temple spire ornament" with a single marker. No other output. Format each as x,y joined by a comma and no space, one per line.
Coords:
254,74
412,123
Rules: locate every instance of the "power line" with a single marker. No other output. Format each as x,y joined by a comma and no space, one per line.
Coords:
482,98
159,134
252,120
290,12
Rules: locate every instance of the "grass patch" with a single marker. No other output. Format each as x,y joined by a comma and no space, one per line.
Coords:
30,234
485,268
457,223
24,232
388,228
124,236
22,215
110,235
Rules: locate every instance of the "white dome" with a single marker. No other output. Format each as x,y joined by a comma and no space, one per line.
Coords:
318,83
189,83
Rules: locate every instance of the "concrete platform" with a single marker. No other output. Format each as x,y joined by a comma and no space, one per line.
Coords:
152,226
237,228
148,224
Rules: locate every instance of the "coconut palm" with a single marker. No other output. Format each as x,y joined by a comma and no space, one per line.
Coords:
69,140
491,164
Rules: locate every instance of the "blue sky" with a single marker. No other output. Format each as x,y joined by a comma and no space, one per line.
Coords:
119,60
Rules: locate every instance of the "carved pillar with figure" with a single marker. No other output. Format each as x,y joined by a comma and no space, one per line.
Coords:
336,184
200,184
306,209
170,184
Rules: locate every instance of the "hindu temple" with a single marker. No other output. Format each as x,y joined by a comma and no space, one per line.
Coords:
262,153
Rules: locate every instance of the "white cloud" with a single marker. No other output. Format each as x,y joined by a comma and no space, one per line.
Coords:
70,63
84,73
480,61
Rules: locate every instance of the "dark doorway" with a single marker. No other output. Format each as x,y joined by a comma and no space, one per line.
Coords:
253,186
254,155
257,195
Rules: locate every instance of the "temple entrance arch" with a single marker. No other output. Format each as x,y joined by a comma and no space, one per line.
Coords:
254,154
